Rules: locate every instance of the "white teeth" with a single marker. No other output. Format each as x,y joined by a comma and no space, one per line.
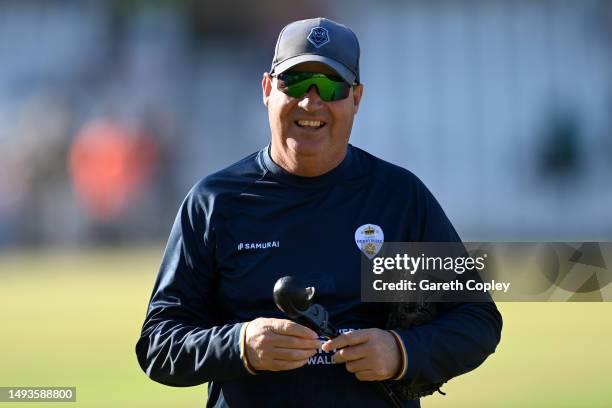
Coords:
310,123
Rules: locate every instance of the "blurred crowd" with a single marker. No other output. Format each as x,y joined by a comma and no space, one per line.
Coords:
97,107
111,110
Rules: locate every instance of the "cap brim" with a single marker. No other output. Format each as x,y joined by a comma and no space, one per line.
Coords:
341,69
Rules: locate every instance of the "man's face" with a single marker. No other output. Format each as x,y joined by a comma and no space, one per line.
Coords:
308,130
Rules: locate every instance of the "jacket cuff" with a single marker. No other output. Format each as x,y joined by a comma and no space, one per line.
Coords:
404,356
243,356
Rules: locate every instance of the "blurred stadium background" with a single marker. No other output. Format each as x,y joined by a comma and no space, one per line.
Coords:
111,110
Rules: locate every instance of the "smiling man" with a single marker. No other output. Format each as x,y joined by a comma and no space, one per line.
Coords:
310,135
303,206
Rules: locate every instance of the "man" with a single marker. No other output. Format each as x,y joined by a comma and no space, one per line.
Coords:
293,208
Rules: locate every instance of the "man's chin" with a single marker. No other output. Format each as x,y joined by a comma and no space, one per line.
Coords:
307,146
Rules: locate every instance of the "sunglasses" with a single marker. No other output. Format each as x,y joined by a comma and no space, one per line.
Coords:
296,84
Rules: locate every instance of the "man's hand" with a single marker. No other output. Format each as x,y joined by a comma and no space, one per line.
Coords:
278,344
371,354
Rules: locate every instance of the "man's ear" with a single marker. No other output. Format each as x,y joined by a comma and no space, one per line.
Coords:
266,87
357,94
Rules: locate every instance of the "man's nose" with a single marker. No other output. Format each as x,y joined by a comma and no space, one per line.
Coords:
311,101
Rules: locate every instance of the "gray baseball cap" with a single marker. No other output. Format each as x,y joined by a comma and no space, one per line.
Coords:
318,40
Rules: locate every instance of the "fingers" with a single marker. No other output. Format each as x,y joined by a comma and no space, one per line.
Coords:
370,354
357,366
364,372
277,344
289,328
284,341
285,354
347,339
351,353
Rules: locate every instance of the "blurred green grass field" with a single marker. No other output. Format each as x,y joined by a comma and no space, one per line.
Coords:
72,318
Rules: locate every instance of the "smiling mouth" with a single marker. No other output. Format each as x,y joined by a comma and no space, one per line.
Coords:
310,124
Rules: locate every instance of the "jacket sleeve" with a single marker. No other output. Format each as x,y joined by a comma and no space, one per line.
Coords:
462,336
182,342
458,341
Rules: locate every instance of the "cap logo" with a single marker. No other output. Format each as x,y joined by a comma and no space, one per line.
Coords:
318,37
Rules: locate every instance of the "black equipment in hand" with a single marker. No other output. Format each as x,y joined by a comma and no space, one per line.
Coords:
295,300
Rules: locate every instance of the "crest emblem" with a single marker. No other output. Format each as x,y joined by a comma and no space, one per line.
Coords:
369,239
318,37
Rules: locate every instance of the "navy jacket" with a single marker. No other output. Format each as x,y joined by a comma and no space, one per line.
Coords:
242,228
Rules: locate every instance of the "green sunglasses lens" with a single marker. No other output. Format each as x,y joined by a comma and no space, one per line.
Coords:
296,84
